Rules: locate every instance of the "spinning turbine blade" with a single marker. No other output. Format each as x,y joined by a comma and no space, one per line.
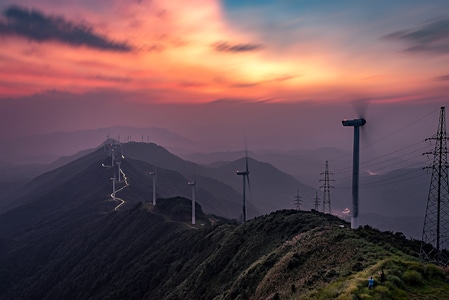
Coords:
361,106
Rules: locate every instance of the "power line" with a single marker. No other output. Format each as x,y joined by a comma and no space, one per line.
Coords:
365,163
384,182
412,166
400,129
383,138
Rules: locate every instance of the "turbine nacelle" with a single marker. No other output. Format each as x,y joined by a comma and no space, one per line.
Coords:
354,122
242,172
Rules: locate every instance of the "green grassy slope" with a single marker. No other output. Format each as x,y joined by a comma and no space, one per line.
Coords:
148,253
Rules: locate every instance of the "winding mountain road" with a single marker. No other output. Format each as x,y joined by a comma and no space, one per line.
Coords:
122,202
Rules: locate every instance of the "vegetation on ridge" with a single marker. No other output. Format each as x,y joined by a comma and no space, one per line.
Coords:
146,254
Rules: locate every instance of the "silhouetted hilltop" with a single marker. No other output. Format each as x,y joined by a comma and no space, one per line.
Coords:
180,209
142,254
83,187
271,189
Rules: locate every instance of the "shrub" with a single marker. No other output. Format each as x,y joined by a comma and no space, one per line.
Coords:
395,280
295,262
357,267
412,277
383,291
434,272
364,297
331,274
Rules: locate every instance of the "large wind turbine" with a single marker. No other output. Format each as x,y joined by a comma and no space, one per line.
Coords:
245,176
193,184
356,123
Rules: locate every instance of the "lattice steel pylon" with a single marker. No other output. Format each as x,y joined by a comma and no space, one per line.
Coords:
317,201
435,236
326,189
298,201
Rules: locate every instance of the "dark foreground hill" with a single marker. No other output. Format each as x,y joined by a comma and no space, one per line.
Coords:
144,253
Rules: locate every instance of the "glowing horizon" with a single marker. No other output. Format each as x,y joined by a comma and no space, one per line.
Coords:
201,51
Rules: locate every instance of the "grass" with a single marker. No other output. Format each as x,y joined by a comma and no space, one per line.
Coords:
406,279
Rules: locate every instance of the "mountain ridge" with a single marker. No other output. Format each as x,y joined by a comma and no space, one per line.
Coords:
137,254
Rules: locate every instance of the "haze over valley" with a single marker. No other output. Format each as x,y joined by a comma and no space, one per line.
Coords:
222,149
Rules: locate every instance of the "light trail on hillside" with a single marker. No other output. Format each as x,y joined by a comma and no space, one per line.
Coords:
122,202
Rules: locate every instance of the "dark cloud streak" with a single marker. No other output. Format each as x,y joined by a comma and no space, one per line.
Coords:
36,26
430,38
251,84
442,78
226,47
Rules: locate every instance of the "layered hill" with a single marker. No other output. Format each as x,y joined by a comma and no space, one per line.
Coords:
143,253
393,201
393,197
271,189
84,187
68,239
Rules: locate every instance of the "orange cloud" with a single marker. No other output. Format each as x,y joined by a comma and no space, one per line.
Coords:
187,51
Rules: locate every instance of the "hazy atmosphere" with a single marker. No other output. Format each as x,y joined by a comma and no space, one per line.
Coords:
205,149
284,74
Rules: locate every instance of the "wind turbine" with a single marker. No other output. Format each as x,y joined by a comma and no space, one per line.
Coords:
356,123
245,176
119,161
154,186
193,184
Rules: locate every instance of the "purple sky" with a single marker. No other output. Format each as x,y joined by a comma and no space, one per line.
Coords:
283,75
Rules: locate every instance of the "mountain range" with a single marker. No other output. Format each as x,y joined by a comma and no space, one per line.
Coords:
64,237
392,200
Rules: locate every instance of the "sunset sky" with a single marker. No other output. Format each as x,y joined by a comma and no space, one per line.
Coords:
278,70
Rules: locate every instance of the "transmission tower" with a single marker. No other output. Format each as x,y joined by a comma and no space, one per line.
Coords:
435,236
317,201
326,189
298,201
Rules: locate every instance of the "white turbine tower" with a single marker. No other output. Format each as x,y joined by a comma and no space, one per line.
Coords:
245,176
154,186
193,184
119,161
113,187
112,156
356,123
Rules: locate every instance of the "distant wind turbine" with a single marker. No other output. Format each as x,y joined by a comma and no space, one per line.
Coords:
193,184
245,176
154,186
113,187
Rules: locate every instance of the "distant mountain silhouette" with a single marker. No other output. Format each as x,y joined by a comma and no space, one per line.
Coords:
46,148
394,200
271,189
304,165
391,202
